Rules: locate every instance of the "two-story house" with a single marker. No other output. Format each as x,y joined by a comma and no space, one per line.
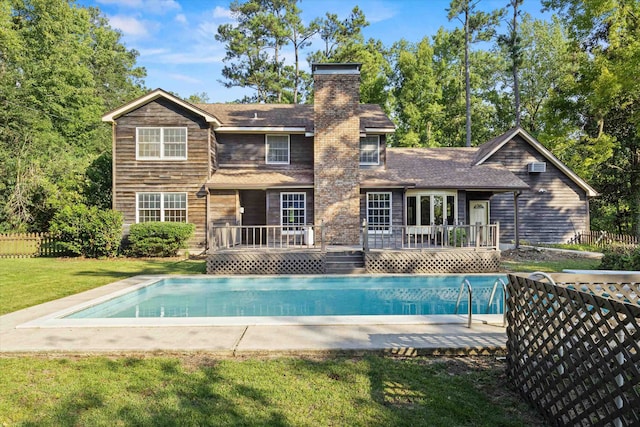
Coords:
328,164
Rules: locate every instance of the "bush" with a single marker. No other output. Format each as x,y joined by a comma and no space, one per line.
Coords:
152,239
87,231
621,258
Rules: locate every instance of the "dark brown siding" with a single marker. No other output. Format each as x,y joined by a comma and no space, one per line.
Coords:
551,211
132,176
249,149
223,207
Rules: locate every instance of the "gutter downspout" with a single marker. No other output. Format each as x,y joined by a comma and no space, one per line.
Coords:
516,220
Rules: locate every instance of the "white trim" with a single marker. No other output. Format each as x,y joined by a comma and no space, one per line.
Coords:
162,194
304,221
377,151
152,96
591,192
444,193
390,226
266,150
162,157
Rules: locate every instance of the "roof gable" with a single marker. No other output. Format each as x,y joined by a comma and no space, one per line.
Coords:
152,96
487,150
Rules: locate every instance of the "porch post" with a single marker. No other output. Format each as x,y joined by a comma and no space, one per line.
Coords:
365,235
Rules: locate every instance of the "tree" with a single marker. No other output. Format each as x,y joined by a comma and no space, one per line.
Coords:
512,43
477,26
605,91
61,67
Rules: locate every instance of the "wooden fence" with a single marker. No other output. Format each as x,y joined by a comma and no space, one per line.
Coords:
603,239
21,245
573,345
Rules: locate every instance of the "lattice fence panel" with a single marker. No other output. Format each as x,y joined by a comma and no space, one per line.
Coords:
266,263
432,262
574,350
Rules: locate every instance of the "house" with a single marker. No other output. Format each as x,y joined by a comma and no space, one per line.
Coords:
328,164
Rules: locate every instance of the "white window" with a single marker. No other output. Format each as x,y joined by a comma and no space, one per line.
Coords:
370,150
293,212
277,149
432,208
170,207
379,212
157,143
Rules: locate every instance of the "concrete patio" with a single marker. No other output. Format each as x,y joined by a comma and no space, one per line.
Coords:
431,335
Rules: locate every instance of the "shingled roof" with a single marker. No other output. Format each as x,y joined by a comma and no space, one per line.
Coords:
451,168
233,116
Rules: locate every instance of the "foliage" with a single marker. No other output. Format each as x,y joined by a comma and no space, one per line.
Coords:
621,257
198,390
87,231
61,67
153,239
30,281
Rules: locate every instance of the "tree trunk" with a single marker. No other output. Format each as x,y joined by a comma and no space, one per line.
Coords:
467,76
514,59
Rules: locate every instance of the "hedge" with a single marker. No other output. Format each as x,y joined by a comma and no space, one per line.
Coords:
159,239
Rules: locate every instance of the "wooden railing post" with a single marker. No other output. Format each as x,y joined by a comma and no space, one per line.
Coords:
365,235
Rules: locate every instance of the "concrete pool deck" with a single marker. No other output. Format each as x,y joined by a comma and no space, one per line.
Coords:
24,331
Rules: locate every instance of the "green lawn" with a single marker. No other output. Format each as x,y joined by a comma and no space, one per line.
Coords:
195,390
25,282
551,266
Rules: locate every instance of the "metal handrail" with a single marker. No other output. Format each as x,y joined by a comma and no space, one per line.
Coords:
499,281
541,274
466,283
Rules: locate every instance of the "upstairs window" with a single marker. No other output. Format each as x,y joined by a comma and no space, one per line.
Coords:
158,143
169,207
370,150
277,149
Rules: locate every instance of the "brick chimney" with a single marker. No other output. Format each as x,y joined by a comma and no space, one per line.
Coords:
336,152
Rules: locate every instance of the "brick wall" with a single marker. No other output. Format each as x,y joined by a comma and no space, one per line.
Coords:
336,151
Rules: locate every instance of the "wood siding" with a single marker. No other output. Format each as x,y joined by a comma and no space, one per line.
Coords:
132,176
551,211
249,150
223,207
397,205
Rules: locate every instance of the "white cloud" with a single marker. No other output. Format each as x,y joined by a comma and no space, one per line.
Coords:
129,26
184,78
221,12
181,18
153,51
158,7
378,11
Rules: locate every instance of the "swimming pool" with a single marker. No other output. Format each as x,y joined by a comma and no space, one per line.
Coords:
293,297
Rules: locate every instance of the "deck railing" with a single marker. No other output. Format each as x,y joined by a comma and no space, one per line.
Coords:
266,237
432,236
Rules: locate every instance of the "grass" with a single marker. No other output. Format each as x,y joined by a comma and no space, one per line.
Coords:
30,281
195,390
550,266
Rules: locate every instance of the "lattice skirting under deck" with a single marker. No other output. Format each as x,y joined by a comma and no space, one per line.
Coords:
433,262
266,263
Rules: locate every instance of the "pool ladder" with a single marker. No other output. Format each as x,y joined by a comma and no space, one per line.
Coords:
466,284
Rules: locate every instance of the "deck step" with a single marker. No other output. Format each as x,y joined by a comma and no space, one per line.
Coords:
345,262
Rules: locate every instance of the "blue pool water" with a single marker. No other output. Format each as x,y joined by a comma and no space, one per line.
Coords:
299,296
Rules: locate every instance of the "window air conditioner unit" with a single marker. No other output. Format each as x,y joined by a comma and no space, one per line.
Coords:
537,167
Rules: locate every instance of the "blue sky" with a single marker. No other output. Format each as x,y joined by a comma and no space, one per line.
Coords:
177,46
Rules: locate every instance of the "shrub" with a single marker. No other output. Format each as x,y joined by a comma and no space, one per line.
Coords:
87,231
621,258
153,239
